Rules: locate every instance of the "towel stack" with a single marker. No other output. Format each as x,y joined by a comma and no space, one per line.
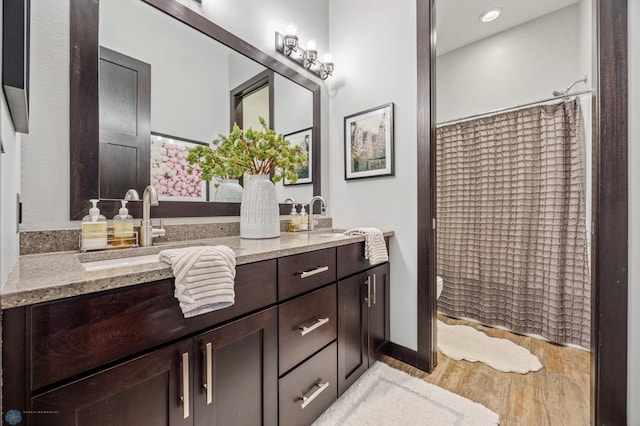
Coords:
204,277
375,248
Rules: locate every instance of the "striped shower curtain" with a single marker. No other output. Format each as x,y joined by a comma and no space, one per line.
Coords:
512,239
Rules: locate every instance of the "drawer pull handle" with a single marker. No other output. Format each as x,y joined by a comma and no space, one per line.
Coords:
208,383
306,400
316,324
185,385
318,270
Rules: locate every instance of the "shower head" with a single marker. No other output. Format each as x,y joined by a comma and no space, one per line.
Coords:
564,92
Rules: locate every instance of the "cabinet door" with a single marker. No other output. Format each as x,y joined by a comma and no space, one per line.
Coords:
236,373
353,357
148,390
378,312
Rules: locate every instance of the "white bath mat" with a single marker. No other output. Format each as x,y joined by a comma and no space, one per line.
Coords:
386,396
463,342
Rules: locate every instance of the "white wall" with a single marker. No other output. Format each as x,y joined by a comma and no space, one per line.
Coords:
9,186
45,151
523,64
633,332
374,49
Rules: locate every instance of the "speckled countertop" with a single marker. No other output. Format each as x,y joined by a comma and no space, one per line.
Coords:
44,277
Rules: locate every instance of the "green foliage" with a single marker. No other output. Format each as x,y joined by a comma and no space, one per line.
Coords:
249,151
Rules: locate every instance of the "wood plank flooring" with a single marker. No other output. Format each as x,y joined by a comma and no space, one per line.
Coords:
556,395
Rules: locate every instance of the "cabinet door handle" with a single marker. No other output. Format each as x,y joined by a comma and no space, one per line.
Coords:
368,291
375,292
306,400
318,270
306,329
185,385
208,380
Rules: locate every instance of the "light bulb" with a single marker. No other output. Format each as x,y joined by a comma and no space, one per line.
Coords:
292,29
491,14
311,45
327,58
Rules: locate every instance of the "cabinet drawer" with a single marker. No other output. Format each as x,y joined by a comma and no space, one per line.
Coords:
307,324
315,381
351,259
75,335
303,272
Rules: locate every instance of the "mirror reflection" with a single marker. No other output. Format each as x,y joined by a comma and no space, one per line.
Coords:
165,87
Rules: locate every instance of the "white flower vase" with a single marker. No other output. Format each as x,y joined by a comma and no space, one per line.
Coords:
229,191
259,211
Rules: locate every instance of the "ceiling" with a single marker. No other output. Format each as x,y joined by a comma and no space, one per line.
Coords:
458,21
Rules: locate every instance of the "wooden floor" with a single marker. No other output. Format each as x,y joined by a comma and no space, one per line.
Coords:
558,394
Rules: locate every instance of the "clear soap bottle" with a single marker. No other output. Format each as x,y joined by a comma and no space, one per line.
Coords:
304,219
294,223
94,229
123,235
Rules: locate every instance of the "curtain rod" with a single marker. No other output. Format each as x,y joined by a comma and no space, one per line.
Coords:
495,111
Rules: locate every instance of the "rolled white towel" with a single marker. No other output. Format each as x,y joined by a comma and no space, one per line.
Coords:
375,249
204,277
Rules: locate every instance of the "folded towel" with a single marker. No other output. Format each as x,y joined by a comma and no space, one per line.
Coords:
375,248
204,277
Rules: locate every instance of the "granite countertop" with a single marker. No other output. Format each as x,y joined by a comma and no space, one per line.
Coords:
45,277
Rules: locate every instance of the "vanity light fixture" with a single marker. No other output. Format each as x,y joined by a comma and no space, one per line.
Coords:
289,45
491,14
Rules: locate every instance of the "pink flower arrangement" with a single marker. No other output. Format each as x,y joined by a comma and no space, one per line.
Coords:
169,169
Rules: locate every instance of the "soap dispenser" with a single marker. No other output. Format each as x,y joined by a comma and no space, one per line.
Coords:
94,229
294,223
123,235
304,219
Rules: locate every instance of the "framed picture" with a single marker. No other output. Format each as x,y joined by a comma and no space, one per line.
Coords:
368,143
169,170
303,138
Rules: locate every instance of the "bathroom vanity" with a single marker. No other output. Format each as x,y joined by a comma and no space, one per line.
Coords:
310,316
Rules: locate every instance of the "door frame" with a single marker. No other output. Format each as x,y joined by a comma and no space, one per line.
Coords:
609,281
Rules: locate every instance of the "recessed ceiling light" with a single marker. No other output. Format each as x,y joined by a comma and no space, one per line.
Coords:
491,14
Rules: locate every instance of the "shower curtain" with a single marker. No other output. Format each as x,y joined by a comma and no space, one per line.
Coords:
512,240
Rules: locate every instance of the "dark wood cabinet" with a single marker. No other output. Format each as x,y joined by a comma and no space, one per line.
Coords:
236,373
293,341
224,376
363,322
145,390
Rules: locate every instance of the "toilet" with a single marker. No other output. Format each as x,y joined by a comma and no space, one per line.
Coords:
440,283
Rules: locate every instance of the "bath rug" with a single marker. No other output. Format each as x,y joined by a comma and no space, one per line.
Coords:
387,396
461,342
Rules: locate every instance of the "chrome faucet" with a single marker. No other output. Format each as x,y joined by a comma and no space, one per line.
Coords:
290,200
147,231
312,220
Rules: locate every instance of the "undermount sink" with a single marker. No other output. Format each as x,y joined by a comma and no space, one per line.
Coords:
99,265
327,232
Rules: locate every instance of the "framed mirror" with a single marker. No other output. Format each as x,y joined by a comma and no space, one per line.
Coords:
190,100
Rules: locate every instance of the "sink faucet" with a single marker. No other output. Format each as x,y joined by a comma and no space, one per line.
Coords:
147,231
312,220
290,200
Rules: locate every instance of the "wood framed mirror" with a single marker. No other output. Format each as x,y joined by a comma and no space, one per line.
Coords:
85,110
